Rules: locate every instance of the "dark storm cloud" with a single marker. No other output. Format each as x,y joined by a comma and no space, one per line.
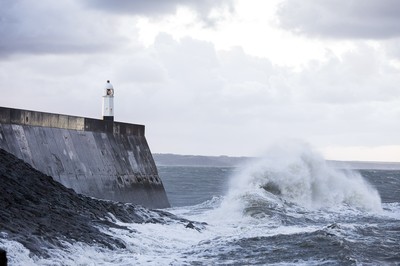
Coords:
66,26
49,27
363,19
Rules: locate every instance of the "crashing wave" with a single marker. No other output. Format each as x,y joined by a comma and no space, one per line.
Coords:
292,173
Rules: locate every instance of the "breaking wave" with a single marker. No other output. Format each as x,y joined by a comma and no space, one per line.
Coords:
294,174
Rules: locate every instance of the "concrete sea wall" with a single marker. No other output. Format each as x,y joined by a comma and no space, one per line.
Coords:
102,159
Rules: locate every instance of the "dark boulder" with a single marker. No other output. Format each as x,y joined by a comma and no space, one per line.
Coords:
3,257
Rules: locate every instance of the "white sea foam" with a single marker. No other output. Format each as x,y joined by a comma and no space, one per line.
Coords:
156,244
295,173
146,244
17,254
391,210
291,180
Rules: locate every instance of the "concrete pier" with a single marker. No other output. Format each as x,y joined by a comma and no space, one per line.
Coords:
99,158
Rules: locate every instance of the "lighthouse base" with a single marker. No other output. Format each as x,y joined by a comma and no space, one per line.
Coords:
108,118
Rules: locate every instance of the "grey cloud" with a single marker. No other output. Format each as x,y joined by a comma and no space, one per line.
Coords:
66,26
201,100
392,48
160,7
136,7
50,27
155,7
358,76
363,19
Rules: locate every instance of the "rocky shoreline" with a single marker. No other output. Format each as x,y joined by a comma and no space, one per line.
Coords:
42,214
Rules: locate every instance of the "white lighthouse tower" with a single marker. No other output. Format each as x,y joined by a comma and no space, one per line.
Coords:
108,102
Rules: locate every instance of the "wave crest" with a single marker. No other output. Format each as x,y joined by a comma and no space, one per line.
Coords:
294,173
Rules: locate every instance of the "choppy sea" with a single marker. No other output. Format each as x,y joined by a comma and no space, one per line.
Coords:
287,208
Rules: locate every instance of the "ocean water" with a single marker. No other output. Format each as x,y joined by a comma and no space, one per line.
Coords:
287,208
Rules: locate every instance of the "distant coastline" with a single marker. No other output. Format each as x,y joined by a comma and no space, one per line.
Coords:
168,159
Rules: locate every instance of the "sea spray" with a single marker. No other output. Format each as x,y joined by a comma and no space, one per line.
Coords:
294,173
287,234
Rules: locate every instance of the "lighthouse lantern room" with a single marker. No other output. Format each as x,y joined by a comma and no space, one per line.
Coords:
108,102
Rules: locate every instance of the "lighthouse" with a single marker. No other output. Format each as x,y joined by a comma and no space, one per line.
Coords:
108,102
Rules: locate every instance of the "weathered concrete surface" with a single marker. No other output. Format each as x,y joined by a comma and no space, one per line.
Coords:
103,159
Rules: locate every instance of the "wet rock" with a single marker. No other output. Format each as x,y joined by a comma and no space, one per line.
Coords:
42,214
3,257
190,225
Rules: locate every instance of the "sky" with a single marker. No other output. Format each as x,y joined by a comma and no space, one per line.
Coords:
228,77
